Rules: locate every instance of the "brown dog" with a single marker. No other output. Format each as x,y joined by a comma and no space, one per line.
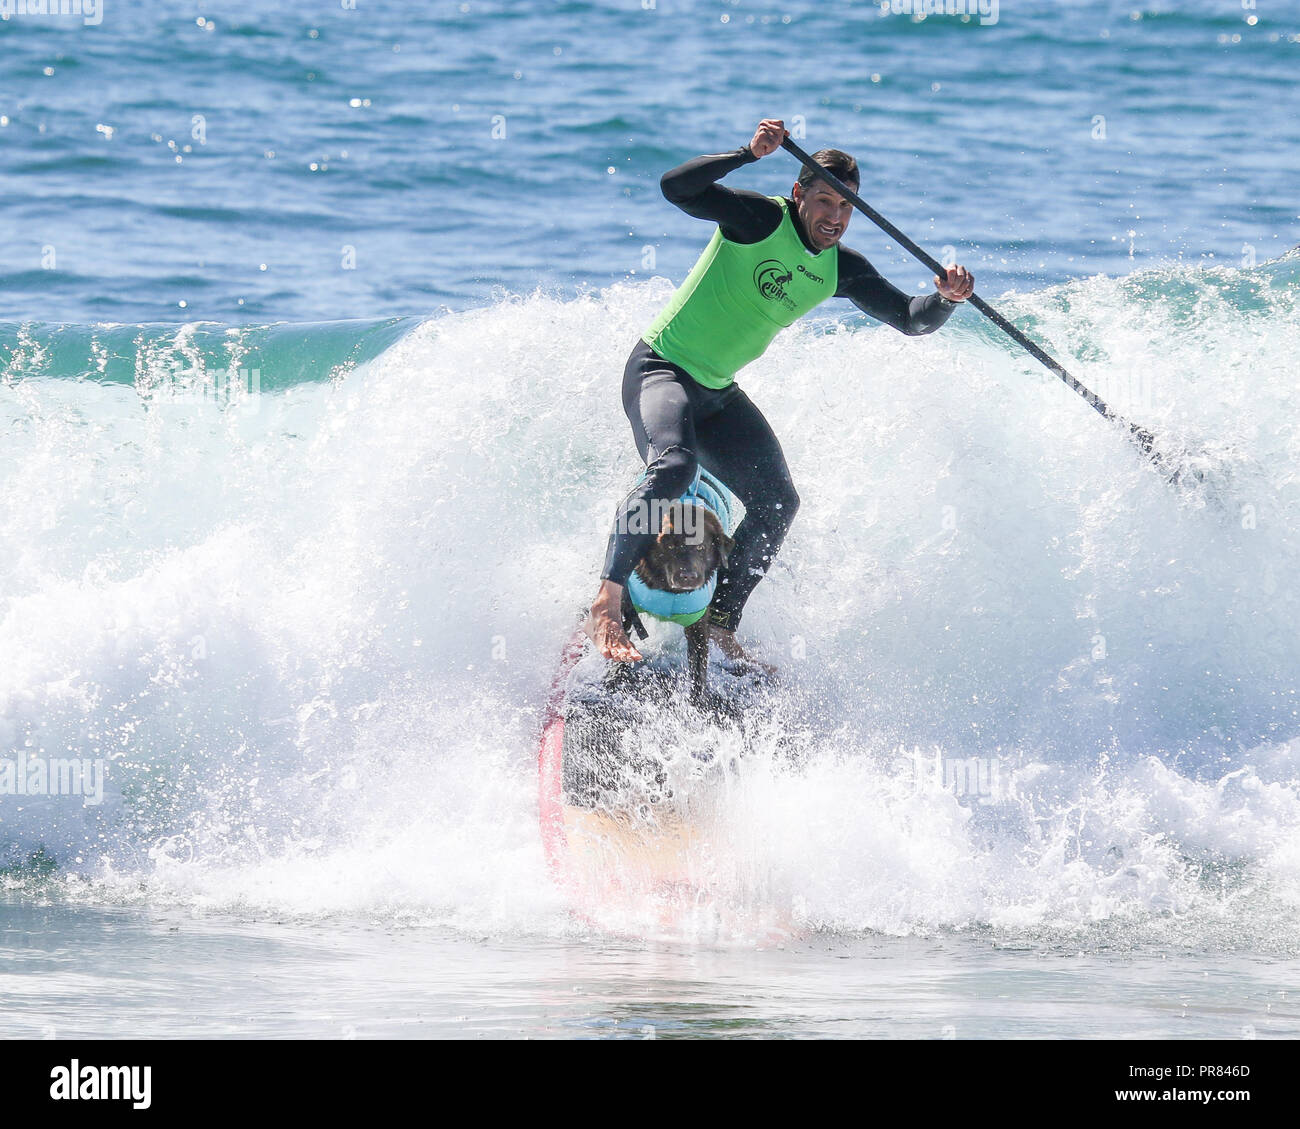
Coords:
689,550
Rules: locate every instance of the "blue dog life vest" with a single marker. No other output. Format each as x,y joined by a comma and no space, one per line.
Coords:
686,607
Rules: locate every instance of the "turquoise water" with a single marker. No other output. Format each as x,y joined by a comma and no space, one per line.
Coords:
291,562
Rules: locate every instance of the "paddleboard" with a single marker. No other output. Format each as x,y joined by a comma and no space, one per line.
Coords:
630,777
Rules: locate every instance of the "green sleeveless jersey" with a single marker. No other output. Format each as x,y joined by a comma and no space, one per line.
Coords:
737,297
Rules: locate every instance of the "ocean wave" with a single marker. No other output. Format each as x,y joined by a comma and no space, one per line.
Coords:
309,634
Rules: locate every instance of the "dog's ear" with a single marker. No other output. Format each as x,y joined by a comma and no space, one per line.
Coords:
725,545
712,528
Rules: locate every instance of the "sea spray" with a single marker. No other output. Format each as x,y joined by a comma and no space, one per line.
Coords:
312,641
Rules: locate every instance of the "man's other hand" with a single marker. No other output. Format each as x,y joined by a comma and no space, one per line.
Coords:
958,286
768,137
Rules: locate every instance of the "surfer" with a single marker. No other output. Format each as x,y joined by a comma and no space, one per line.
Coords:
771,260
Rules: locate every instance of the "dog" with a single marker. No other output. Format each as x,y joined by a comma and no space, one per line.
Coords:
676,578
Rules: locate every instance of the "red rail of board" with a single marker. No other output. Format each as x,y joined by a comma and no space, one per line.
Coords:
550,761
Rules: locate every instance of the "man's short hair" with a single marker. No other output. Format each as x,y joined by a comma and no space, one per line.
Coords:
834,161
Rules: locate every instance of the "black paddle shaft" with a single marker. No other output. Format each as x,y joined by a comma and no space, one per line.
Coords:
1141,435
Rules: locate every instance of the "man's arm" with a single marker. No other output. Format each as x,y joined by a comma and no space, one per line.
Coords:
867,289
744,216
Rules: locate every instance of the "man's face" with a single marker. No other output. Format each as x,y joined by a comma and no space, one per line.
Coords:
824,213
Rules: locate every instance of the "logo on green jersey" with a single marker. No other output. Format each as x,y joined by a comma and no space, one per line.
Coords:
771,276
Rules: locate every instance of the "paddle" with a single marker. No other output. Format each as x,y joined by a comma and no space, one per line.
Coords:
1139,435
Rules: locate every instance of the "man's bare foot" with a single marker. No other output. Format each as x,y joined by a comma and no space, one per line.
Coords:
604,625
727,644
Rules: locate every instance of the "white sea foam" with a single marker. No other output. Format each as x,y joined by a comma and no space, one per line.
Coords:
312,642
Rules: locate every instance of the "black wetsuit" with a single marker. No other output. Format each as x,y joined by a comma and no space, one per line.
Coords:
677,421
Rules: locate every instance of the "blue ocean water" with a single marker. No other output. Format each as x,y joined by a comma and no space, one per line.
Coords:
312,321
227,155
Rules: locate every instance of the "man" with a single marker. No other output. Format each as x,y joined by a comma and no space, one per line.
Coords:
770,261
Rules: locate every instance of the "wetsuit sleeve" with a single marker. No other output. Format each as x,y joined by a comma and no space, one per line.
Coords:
867,289
744,216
